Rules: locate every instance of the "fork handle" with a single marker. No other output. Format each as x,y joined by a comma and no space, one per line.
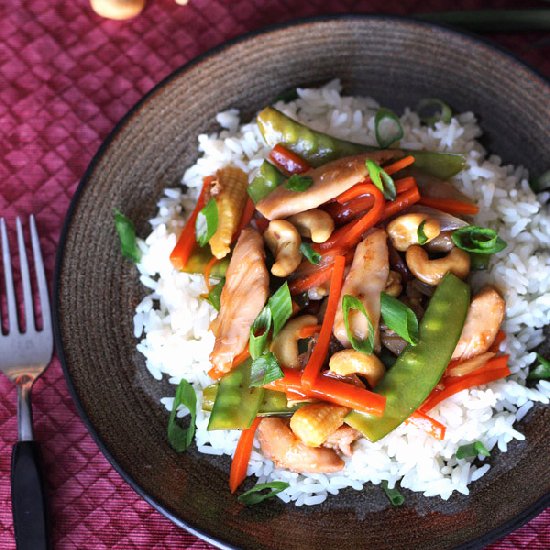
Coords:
27,498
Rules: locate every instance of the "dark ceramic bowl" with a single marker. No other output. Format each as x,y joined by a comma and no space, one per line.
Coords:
396,61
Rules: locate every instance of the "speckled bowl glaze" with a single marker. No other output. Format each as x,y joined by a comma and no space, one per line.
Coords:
394,60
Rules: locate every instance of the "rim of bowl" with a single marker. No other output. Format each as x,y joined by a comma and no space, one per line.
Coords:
210,537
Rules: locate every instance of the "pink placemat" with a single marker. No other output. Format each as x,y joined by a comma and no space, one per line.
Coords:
66,77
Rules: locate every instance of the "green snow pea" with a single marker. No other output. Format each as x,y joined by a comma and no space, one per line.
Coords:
318,148
418,369
236,404
266,180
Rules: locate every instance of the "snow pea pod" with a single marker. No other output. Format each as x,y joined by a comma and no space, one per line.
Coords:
274,403
266,180
236,404
318,148
418,369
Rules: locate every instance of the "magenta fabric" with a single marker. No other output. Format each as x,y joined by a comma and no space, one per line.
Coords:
66,77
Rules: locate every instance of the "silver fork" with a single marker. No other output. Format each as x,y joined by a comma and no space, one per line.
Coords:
23,358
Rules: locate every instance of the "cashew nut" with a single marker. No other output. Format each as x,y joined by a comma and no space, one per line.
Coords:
432,271
285,344
315,224
403,231
284,242
117,9
349,361
393,284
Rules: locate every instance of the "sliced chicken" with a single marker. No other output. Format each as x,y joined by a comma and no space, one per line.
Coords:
280,445
366,280
483,320
329,181
342,439
243,297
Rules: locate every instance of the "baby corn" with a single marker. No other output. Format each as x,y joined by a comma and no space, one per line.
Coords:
312,424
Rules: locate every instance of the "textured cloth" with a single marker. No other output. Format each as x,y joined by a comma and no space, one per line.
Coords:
66,77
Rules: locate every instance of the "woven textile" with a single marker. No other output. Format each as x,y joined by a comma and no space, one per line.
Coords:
66,77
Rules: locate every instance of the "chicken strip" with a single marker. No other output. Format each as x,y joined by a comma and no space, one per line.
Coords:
366,280
483,320
243,297
329,181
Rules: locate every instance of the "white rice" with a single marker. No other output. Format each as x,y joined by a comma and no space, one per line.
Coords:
172,321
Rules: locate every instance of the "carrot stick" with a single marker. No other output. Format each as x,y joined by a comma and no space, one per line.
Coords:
404,184
287,161
321,348
499,338
494,369
317,278
207,271
309,331
248,212
330,389
402,201
354,192
427,423
451,206
342,213
241,458
399,165
187,240
349,235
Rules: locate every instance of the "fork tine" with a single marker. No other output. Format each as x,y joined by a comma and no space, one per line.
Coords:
25,278
41,278
10,292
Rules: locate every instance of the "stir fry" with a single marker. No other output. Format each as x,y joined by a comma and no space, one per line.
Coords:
341,278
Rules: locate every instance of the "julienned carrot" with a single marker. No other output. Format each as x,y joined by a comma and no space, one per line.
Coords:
216,374
349,235
494,369
399,165
207,271
451,206
316,278
187,240
248,212
428,424
342,213
402,201
309,331
499,338
321,347
404,184
241,458
332,390
287,161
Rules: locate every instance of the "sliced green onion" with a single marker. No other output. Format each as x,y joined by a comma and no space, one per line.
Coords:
127,235
351,302
311,256
259,331
433,110
479,262
178,437
207,222
542,183
280,305
377,174
258,493
472,450
422,238
478,240
387,127
399,318
394,496
541,371
265,369
215,294
299,183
